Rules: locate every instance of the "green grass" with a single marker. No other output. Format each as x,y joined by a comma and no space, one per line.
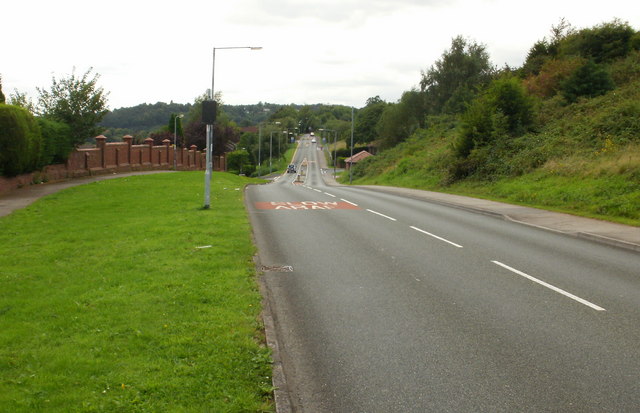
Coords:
108,305
277,164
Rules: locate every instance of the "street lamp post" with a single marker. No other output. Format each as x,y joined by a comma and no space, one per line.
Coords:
259,147
209,166
271,147
175,138
351,164
270,150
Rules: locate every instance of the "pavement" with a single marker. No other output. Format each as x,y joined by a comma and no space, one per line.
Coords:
619,235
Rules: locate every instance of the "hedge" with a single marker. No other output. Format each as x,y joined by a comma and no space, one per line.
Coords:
20,141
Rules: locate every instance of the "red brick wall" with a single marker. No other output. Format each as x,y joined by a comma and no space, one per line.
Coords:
113,158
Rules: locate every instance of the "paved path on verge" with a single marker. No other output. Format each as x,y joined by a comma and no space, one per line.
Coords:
22,197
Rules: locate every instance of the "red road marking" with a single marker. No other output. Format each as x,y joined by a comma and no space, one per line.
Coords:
305,205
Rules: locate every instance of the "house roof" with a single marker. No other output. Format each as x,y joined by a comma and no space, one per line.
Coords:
358,157
250,129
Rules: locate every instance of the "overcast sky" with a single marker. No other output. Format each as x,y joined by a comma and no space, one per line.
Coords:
314,51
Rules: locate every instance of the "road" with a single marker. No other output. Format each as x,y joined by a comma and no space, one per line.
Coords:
384,303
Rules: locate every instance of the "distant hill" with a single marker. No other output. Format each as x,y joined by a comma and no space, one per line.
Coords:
149,117
143,117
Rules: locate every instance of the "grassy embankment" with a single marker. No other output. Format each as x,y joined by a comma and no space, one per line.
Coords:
109,304
277,164
584,160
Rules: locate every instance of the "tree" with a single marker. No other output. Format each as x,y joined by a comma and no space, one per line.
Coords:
590,80
602,43
76,101
549,79
544,50
56,140
20,99
399,120
239,162
453,80
367,118
2,98
503,109
175,128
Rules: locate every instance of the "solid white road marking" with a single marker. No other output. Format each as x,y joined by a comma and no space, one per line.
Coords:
326,193
317,190
436,237
382,215
556,289
348,202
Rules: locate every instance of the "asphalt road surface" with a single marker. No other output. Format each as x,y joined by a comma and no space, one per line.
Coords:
389,304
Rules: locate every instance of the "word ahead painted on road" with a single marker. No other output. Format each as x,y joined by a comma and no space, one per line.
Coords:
305,205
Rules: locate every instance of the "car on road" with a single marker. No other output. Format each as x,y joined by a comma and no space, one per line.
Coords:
291,169
313,140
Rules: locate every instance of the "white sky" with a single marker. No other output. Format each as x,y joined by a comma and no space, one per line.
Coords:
314,51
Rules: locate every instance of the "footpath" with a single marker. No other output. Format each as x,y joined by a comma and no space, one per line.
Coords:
25,196
619,235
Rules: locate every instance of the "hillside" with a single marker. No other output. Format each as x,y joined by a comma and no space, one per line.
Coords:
578,156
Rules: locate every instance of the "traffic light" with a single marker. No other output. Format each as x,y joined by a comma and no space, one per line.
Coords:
209,109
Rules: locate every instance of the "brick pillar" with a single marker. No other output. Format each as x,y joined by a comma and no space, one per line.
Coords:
167,146
194,150
101,143
129,140
149,143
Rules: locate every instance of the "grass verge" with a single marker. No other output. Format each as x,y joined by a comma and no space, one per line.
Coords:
108,304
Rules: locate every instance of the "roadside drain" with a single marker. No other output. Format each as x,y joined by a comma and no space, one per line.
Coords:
277,268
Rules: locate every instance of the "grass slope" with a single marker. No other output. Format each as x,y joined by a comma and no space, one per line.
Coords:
584,160
107,304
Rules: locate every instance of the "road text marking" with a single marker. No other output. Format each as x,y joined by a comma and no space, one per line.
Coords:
304,205
382,215
556,289
436,237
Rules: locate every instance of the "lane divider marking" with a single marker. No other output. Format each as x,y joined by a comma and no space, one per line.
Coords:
436,237
551,287
382,215
348,202
317,190
326,193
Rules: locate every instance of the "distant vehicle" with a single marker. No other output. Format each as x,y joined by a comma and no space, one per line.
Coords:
313,140
291,169
312,134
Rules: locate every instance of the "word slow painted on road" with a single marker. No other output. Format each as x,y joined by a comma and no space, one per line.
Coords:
305,205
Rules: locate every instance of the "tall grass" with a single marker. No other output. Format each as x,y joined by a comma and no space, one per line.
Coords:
109,303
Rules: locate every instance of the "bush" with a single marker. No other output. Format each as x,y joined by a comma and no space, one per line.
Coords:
504,108
56,139
590,80
20,141
239,161
550,77
602,43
